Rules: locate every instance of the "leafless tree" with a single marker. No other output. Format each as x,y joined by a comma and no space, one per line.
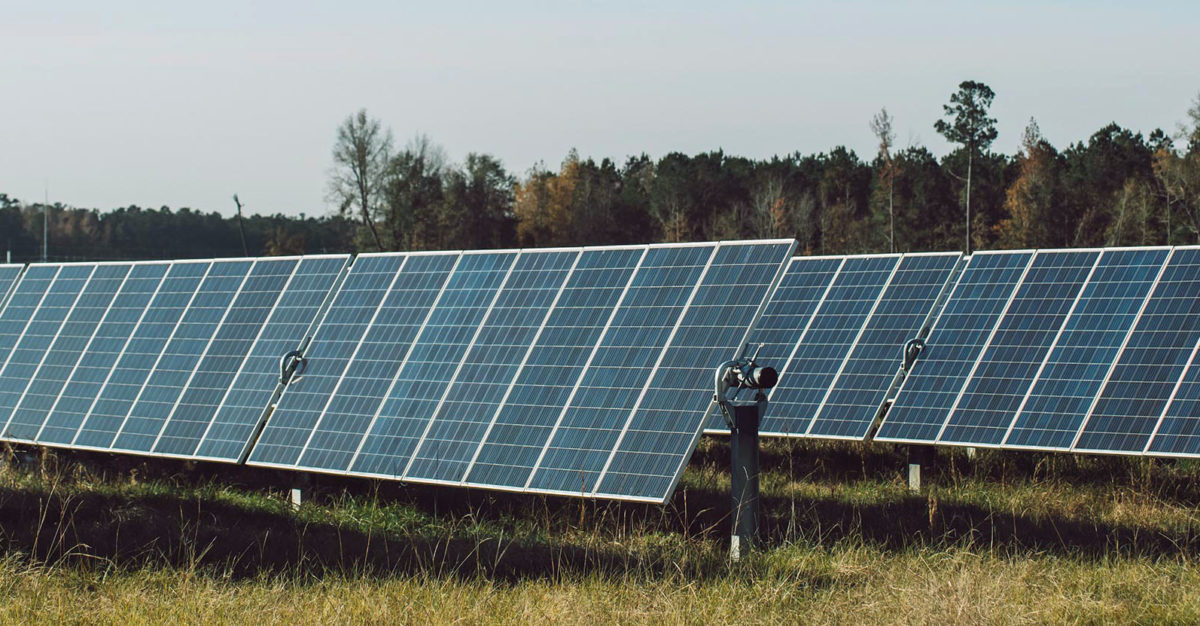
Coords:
360,156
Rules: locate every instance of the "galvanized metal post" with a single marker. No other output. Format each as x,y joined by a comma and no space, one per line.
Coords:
743,443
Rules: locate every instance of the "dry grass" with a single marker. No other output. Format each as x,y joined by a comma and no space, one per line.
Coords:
1000,539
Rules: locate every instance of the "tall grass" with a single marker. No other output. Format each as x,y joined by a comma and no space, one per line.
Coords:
1010,538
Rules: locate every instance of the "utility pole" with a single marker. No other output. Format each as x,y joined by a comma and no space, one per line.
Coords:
241,228
45,221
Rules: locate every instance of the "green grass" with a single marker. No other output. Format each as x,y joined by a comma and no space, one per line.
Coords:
1006,538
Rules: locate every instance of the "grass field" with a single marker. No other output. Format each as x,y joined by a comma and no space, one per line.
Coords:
1004,538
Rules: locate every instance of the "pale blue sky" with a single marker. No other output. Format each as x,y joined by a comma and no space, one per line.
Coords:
150,103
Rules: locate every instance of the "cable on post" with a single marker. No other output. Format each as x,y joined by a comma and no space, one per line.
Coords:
912,348
291,367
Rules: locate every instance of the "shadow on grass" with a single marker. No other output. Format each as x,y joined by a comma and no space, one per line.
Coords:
362,527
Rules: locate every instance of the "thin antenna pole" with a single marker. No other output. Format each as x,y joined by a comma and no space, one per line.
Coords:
45,220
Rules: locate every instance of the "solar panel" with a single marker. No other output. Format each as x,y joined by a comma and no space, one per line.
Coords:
488,370
244,404
71,340
525,418
1017,350
661,431
612,382
334,344
38,336
137,356
859,389
9,275
96,361
446,326
1065,389
979,299
27,294
1178,430
221,359
1127,409
184,350
823,345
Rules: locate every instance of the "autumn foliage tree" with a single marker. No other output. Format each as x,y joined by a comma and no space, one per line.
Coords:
1030,201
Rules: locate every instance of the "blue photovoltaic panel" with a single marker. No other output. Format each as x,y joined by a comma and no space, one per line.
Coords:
120,388
8,278
860,389
17,314
1063,392
1147,369
46,320
246,400
663,427
70,343
975,305
785,317
1016,352
1178,431
830,336
222,358
527,416
179,358
386,347
98,359
413,398
618,370
334,343
488,370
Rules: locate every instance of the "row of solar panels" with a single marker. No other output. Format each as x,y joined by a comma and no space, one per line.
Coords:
1082,350
583,371
588,371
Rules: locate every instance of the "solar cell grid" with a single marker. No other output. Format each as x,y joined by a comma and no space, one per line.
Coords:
612,382
184,350
824,345
489,367
9,275
1129,404
662,429
527,415
1061,396
290,322
334,344
38,336
223,356
1178,430
858,390
384,445
984,291
98,358
103,419
785,318
1020,346
70,342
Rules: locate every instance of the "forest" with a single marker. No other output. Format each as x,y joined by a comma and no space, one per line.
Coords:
1118,187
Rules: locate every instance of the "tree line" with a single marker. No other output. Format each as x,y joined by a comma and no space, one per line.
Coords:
1117,187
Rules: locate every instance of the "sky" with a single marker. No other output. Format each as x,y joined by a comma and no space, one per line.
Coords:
184,104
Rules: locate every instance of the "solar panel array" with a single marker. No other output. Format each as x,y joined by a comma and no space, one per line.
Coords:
582,371
588,371
1080,350
146,357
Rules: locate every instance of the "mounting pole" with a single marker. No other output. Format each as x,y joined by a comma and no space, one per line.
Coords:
743,417
744,471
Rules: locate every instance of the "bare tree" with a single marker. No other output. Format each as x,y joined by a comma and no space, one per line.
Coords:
881,125
360,156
